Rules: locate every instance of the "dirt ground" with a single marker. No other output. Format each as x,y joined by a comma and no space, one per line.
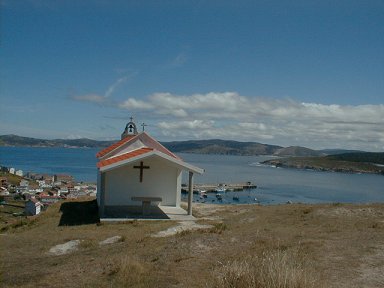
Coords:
342,245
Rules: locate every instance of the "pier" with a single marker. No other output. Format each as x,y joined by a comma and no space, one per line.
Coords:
220,187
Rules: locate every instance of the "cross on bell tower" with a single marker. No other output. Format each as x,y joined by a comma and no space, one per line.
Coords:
130,129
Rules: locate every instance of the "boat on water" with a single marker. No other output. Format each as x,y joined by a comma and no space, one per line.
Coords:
220,189
219,197
203,194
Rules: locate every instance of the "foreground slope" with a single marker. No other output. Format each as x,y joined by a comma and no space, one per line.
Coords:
327,245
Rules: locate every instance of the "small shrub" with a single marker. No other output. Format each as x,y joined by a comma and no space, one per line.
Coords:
135,223
21,222
375,225
337,204
183,233
87,244
307,211
218,228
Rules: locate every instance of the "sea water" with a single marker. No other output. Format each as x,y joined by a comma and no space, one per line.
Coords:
78,162
280,185
274,185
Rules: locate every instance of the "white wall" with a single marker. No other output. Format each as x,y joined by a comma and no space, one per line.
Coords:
161,180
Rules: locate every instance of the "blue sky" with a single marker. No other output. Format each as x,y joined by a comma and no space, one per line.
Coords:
307,73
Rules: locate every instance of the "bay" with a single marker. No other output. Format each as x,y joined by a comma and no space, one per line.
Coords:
274,185
78,162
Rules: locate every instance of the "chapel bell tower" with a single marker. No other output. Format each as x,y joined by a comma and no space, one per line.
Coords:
130,129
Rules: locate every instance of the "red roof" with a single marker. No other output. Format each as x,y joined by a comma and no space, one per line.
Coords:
114,146
122,157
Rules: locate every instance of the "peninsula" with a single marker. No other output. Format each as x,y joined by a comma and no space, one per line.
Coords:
358,162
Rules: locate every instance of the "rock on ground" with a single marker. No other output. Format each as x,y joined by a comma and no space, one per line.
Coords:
183,226
65,248
111,240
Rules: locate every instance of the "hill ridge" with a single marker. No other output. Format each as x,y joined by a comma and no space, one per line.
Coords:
206,146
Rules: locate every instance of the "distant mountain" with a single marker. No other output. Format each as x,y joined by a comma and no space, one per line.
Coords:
14,140
213,146
298,151
222,147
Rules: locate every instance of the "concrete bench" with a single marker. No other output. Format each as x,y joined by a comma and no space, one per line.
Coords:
146,202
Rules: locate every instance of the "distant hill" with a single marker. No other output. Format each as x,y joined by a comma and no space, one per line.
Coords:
298,151
213,146
14,140
222,147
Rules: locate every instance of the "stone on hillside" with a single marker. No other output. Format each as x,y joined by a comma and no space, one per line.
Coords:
111,240
65,248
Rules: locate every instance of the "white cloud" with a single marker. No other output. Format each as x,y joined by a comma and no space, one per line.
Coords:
116,84
195,124
103,99
135,104
229,115
74,136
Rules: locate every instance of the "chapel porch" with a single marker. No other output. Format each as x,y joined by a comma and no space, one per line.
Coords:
128,213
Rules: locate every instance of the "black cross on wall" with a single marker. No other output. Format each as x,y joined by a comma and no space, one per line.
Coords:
141,167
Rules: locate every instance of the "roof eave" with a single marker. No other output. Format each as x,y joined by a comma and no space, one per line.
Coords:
108,153
177,161
124,162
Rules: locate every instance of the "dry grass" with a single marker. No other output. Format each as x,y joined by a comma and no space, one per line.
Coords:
248,246
124,272
274,269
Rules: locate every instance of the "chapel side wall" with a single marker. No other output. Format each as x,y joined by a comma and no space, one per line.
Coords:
178,191
98,191
159,181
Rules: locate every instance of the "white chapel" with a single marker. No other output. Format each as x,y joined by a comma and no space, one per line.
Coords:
138,171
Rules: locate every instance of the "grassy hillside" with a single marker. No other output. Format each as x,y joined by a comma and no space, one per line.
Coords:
361,157
15,180
248,246
350,163
12,178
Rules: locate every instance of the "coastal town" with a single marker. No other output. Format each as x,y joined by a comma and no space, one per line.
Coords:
38,190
